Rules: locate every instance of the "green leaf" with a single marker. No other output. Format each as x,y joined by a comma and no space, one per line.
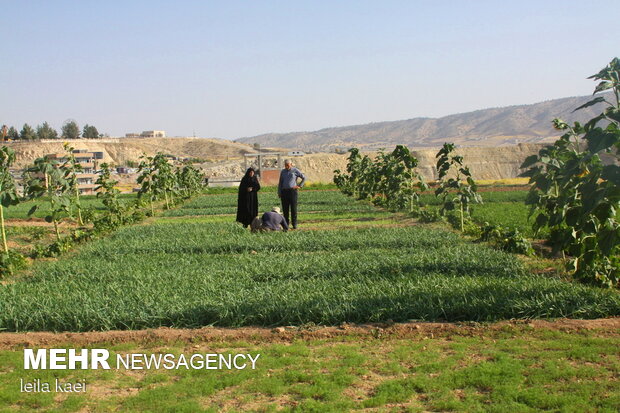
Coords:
591,103
611,173
599,140
572,216
604,85
541,221
529,161
608,239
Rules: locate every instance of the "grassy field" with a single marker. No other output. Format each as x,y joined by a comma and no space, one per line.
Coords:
512,368
207,270
309,201
349,263
505,208
20,211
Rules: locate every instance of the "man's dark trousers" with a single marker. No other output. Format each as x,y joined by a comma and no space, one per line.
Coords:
289,201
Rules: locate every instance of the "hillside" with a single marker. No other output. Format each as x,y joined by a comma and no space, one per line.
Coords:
118,151
487,127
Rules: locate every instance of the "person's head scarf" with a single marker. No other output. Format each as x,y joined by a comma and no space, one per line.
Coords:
247,178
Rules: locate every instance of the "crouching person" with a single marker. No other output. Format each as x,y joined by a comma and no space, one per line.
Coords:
270,221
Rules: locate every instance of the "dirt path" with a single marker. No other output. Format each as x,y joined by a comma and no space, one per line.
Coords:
606,327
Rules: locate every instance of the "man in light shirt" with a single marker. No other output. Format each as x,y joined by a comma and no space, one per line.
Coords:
287,191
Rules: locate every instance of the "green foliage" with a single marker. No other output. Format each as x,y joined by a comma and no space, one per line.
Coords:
8,192
10,262
427,215
133,279
13,134
309,201
507,239
147,182
45,131
390,180
90,132
27,133
464,224
576,195
459,191
72,168
70,130
190,181
50,179
106,191
162,179
55,249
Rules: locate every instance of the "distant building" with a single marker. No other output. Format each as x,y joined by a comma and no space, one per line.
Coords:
147,134
153,134
125,170
296,153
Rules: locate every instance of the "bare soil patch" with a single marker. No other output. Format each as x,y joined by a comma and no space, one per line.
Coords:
607,327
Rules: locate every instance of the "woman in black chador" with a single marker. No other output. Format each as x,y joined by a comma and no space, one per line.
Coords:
247,202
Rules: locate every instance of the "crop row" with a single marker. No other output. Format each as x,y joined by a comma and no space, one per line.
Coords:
190,275
308,201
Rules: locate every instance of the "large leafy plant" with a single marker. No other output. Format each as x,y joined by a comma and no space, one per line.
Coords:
456,185
8,192
576,194
390,180
72,168
50,178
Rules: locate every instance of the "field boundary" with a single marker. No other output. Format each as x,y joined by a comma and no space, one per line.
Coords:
609,326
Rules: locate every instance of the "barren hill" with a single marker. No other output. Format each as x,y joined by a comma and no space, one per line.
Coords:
488,127
121,150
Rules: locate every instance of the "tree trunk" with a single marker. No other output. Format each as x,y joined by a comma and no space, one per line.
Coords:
4,244
56,229
77,204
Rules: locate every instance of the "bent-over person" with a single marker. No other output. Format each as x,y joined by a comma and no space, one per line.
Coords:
270,221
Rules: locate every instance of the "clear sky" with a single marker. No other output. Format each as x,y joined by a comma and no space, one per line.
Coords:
231,69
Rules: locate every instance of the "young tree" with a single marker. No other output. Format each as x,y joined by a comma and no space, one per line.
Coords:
575,194
27,133
70,130
8,192
51,180
145,179
107,192
45,131
72,168
190,180
164,179
460,190
399,180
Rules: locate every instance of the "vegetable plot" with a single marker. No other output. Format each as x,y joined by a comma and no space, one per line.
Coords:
185,274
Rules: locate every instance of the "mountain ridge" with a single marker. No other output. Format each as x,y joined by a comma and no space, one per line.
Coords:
497,126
